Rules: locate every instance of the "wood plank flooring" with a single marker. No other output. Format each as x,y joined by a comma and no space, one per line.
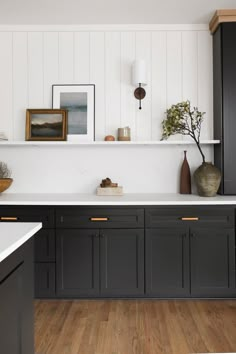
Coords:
135,326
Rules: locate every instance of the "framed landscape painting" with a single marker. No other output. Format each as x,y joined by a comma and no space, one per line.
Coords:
46,124
78,100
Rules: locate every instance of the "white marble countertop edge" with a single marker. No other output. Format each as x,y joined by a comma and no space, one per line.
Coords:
132,199
22,233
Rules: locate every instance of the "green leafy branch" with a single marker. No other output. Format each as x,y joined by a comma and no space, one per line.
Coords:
182,119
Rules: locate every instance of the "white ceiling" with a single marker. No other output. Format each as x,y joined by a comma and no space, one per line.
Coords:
110,11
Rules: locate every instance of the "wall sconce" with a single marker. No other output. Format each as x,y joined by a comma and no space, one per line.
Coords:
139,78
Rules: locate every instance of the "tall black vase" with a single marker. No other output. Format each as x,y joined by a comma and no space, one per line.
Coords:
185,177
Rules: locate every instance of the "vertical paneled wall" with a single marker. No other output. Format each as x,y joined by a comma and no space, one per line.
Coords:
179,65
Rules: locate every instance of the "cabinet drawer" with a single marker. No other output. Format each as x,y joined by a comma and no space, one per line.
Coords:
45,283
99,218
27,214
44,246
200,216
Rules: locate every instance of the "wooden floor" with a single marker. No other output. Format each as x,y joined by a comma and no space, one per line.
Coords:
135,327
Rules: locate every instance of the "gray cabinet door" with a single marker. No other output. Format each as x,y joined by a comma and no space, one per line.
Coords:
212,262
167,262
11,313
44,285
77,263
16,302
44,246
122,262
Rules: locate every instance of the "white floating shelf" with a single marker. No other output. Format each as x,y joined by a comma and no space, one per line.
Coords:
105,143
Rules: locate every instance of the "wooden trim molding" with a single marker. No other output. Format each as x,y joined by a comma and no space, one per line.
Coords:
221,16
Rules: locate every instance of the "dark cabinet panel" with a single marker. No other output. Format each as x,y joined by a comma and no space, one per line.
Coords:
201,216
229,106
167,262
218,104
77,258
75,217
44,246
212,262
28,214
11,312
16,299
184,251
44,242
224,73
45,283
122,262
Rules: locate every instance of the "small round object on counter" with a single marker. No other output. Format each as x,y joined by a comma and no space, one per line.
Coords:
109,138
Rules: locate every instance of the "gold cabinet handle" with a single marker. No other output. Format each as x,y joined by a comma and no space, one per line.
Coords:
8,218
99,219
190,219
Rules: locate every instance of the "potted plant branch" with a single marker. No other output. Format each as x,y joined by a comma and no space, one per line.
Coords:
184,120
5,174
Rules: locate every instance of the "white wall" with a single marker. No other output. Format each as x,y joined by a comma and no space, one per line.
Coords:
179,62
141,169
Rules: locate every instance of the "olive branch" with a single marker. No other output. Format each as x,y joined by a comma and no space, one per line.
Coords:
182,119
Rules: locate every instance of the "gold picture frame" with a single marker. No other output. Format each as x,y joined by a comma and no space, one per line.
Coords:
46,125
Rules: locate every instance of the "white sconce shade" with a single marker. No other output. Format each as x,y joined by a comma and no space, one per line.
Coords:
139,75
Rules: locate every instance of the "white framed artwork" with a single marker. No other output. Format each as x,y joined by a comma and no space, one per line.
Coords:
79,101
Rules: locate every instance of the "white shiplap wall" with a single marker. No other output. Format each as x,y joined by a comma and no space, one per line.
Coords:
178,58
33,58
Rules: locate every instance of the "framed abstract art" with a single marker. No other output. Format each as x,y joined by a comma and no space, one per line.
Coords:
79,101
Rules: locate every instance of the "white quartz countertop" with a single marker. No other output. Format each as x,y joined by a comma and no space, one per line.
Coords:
13,235
126,199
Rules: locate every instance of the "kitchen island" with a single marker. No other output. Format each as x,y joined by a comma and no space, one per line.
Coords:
16,287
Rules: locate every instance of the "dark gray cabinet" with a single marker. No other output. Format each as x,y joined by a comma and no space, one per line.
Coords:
99,217
167,262
44,244
212,262
191,216
100,251
190,252
45,258
122,262
92,262
16,299
45,280
160,251
224,74
77,263
11,312
23,213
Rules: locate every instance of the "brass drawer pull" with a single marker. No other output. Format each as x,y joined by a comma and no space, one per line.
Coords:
99,219
9,218
190,219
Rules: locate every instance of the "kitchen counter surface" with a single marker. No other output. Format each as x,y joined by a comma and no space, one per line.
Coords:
13,235
127,199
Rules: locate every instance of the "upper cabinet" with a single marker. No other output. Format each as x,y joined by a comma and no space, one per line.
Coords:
224,73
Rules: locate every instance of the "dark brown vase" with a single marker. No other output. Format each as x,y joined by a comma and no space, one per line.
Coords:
185,177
